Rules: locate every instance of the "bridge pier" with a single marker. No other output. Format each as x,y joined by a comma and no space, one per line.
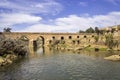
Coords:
31,47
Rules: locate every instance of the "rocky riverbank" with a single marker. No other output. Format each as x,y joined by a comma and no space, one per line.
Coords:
11,49
8,59
113,58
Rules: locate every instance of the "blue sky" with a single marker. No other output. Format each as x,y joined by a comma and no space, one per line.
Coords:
58,15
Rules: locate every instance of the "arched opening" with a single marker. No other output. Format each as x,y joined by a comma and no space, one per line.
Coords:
62,38
70,37
78,42
73,41
92,35
41,40
78,36
24,39
53,37
85,36
50,41
35,45
39,43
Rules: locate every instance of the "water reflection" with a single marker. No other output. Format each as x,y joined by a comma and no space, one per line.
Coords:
40,51
51,64
50,51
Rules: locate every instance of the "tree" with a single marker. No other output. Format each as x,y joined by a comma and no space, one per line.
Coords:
96,38
102,31
97,30
113,30
110,42
7,29
90,30
118,27
81,31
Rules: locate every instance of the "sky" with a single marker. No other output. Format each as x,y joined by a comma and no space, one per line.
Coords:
58,15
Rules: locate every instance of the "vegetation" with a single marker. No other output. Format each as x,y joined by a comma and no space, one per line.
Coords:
110,42
96,38
90,30
7,29
97,30
113,30
10,49
10,46
102,32
81,31
118,27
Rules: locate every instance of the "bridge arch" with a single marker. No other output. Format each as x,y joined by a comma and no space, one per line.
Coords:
23,37
42,39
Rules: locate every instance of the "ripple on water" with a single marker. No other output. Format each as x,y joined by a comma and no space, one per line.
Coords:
62,66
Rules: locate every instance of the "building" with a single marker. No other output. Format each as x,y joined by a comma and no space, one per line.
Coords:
109,28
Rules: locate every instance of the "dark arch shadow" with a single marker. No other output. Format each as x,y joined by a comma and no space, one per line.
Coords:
42,39
39,43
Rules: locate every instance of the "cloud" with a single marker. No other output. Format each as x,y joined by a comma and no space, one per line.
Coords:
74,23
17,18
83,3
114,2
31,6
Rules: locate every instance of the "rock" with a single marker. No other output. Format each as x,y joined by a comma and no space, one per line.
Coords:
9,61
4,63
78,48
11,56
1,60
70,49
8,56
113,58
96,49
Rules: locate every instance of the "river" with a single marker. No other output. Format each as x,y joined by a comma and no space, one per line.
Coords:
62,65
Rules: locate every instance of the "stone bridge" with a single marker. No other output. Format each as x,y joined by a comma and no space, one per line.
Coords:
47,37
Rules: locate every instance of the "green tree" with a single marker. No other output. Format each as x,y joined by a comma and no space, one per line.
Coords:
110,42
113,30
97,30
118,27
7,29
96,38
80,31
90,30
102,31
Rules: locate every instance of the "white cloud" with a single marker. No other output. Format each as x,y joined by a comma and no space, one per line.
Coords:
83,3
73,23
17,18
31,6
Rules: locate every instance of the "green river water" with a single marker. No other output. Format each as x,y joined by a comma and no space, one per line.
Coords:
62,65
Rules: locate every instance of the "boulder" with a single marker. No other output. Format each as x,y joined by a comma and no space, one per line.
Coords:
78,48
9,61
1,60
11,56
113,58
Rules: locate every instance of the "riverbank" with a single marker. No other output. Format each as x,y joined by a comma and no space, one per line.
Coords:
96,49
7,59
11,49
82,47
